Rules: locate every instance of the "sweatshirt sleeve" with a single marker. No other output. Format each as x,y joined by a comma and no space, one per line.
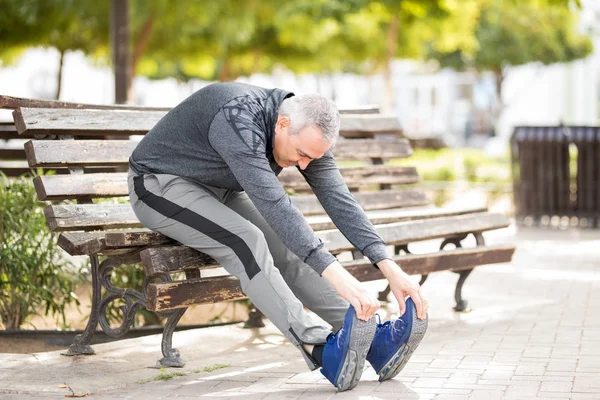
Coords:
243,147
348,216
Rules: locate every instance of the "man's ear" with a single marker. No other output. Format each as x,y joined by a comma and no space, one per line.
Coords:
283,121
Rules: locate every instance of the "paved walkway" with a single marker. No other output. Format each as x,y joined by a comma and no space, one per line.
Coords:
534,333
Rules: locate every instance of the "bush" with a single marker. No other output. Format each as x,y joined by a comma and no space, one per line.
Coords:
33,274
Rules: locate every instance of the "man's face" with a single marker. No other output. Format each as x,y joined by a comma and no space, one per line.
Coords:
297,149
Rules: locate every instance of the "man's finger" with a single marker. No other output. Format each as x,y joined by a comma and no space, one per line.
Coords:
418,303
357,306
425,303
368,306
401,304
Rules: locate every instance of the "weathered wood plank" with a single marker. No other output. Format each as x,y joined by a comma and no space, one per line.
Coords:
115,184
383,217
379,200
410,231
12,150
62,187
157,262
10,102
368,126
393,234
12,154
75,217
367,109
73,153
357,176
14,168
6,126
170,295
169,259
75,122
361,149
56,154
76,243
69,217
82,243
85,122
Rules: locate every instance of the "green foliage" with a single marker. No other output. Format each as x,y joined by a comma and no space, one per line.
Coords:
519,33
32,272
163,376
61,24
459,165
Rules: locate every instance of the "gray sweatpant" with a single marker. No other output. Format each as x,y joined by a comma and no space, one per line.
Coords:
225,225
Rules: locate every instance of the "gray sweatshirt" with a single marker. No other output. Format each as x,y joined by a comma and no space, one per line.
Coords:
222,136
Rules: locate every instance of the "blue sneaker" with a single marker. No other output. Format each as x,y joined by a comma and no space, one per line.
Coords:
345,352
395,341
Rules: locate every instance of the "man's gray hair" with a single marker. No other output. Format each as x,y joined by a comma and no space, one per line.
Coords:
312,110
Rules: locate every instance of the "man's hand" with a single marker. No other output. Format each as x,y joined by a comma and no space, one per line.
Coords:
352,290
401,286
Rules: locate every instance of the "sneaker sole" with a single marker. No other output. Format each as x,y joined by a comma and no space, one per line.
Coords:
363,333
399,360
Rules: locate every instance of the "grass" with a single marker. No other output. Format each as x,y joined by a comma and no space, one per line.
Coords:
165,376
211,368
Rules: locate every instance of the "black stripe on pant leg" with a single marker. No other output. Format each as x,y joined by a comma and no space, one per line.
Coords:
199,223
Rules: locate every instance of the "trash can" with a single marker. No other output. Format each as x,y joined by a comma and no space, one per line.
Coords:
556,175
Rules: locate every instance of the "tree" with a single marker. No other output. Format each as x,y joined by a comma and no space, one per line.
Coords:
371,37
66,25
515,34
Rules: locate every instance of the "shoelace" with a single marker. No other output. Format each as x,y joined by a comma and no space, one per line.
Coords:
330,337
379,324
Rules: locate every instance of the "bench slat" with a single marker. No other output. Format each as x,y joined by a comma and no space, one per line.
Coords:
172,258
76,153
393,234
14,168
411,231
369,126
12,150
76,217
85,122
64,187
379,200
64,217
78,243
73,153
11,102
366,109
369,175
170,295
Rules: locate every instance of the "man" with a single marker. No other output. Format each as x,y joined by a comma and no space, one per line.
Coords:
206,176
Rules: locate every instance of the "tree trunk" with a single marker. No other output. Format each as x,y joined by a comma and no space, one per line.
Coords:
139,48
499,80
60,74
224,73
392,36
119,28
257,53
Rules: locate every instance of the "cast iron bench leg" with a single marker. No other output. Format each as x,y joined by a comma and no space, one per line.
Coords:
134,301
171,356
81,343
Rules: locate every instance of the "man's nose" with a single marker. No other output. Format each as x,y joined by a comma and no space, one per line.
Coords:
303,163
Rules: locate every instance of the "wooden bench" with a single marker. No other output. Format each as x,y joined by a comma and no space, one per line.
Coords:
178,277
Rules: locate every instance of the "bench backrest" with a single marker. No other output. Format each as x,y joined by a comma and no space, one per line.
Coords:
97,167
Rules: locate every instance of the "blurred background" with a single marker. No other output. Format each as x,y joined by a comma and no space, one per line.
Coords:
461,71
